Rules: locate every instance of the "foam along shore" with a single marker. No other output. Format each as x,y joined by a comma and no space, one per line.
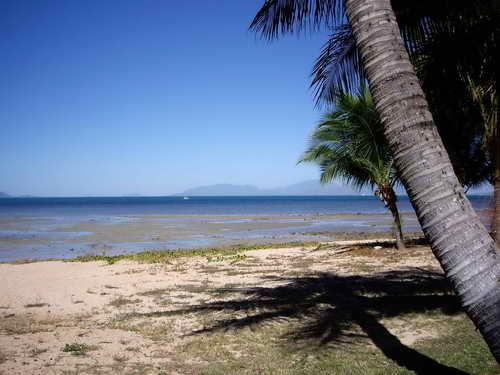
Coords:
173,315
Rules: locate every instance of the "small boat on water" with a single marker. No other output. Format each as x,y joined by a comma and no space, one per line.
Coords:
185,198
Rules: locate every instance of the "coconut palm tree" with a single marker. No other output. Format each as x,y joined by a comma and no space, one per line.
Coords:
460,242
456,42
349,144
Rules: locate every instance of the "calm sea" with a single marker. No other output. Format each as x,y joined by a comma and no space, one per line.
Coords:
276,205
41,228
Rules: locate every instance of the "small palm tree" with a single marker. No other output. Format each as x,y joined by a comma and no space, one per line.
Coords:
349,144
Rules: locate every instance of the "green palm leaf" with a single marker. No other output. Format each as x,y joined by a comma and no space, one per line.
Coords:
348,144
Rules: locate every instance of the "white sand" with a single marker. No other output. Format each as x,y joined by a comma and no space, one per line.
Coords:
45,305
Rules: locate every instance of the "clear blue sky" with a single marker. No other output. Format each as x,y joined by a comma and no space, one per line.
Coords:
150,97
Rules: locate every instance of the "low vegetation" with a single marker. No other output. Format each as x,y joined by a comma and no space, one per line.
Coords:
77,349
166,256
122,301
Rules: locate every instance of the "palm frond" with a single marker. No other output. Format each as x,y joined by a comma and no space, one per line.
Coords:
348,144
345,170
338,67
463,53
277,17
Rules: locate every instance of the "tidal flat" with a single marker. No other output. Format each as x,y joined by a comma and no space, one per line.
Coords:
63,237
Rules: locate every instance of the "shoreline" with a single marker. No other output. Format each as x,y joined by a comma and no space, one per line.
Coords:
155,255
231,312
38,238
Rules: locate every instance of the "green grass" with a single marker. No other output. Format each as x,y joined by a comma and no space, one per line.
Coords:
263,352
31,305
159,292
122,301
231,258
29,260
26,324
78,349
166,256
462,348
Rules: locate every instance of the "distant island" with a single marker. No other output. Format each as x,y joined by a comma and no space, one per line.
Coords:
307,188
5,195
310,187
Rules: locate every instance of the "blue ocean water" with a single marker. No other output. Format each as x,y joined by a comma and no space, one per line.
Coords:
256,205
289,205
44,228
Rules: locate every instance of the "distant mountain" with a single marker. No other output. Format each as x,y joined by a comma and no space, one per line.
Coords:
311,187
5,195
222,189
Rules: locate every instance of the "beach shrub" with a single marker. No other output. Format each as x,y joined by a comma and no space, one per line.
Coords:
78,349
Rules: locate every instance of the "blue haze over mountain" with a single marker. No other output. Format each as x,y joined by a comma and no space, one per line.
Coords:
310,187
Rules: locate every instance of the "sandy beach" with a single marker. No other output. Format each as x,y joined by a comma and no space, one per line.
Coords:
268,187
211,313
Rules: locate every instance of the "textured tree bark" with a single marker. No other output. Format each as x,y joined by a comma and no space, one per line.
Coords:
397,221
496,157
389,197
495,225
458,239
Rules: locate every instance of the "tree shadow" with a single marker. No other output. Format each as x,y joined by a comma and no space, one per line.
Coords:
329,306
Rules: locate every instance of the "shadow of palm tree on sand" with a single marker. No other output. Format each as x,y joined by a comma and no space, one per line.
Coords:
329,306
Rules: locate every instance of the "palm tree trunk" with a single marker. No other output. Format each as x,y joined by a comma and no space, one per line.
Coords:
388,196
495,152
398,230
463,246
495,225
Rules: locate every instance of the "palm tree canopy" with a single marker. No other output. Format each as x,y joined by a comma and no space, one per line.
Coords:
447,41
423,24
277,17
348,144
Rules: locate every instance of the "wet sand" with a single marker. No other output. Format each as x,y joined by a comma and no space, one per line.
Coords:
45,238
